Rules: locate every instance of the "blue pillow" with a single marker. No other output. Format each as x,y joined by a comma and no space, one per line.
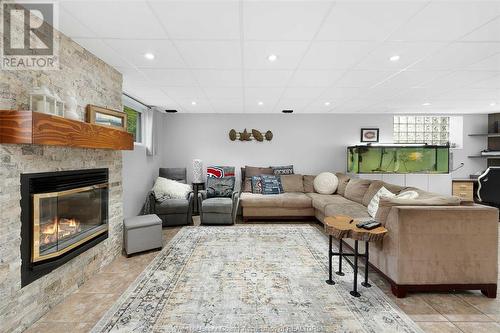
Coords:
271,184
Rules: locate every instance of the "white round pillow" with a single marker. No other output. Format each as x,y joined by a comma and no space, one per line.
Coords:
326,183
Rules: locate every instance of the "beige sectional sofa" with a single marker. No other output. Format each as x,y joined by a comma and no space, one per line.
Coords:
435,243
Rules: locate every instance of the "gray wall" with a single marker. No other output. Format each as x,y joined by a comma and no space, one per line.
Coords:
139,174
312,142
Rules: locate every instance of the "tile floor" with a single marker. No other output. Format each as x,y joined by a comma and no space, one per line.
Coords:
466,312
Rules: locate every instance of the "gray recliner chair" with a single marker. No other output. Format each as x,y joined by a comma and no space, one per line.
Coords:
174,212
217,210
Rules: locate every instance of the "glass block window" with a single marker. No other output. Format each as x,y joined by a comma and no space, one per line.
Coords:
434,130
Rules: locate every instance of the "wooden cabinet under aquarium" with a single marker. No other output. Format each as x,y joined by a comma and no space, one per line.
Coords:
395,158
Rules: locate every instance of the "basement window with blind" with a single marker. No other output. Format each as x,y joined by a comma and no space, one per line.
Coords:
134,110
433,130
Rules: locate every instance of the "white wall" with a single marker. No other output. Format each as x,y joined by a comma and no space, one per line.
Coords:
312,143
139,173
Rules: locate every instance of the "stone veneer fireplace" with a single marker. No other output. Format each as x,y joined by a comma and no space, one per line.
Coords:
63,214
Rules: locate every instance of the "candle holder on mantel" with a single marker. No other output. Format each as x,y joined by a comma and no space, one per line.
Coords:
42,100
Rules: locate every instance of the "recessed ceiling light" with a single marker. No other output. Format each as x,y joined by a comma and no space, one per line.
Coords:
193,103
260,103
493,104
394,58
327,103
149,56
272,57
426,104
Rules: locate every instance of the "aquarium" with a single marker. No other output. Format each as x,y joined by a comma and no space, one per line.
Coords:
416,158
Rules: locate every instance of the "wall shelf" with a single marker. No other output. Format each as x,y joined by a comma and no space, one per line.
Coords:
26,127
484,156
489,135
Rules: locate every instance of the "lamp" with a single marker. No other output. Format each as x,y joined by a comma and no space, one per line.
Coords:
42,100
197,171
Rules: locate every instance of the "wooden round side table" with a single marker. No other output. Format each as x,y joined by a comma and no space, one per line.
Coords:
342,226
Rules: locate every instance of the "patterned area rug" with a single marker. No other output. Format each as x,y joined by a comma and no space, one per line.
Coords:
255,278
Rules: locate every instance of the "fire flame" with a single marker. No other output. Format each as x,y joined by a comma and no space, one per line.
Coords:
58,228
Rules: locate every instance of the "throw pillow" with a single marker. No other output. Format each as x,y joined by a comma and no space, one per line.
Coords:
407,195
356,189
255,171
373,205
170,189
220,187
271,184
343,181
247,185
220,171
292,183
283,170
256,184
326,183
308,183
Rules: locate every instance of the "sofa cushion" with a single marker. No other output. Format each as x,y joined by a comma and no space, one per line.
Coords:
247,185
255,171
308,183
375,186
320,201
343,206
283,200
172,206
292,183
217,205
386,204
343,181
356,189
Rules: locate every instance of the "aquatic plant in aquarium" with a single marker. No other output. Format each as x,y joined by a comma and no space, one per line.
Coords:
398,159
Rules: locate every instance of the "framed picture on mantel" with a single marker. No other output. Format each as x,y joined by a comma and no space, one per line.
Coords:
369,134
106,117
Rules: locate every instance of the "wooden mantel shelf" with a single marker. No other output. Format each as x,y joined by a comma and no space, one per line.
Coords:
26,127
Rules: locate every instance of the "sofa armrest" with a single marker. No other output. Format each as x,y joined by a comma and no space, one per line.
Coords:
236,201
441,244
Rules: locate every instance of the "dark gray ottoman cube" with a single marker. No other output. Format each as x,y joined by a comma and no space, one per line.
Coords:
142,233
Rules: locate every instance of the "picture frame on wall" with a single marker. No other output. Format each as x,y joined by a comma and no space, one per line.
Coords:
106,117
369,135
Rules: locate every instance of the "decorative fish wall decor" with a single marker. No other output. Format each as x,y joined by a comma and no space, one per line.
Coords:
249,136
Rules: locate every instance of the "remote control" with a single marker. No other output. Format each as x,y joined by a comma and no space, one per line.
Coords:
362,224
371,225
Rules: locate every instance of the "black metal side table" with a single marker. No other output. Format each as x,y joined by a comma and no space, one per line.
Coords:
196,188
345,227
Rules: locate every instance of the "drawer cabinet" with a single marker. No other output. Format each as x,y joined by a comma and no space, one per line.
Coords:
463,189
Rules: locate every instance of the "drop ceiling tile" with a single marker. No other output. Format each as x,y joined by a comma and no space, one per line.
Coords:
336,55
227,105
72,27
116,19
335,95
211,54
198,19
447,21
231,93
201,106
457,55
98,48
487,96
252,106
408,52
487,33
489,83
315,78
170,77
268,94
457,79
219,78
362,79
282,20
366,20
289,54
178,93
302,92
133,50
151,96
297,105
132,75
258,78
491,63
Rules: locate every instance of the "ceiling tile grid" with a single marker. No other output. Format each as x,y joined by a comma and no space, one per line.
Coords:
237,56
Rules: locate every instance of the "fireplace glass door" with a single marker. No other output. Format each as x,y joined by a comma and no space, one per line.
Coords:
63,220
